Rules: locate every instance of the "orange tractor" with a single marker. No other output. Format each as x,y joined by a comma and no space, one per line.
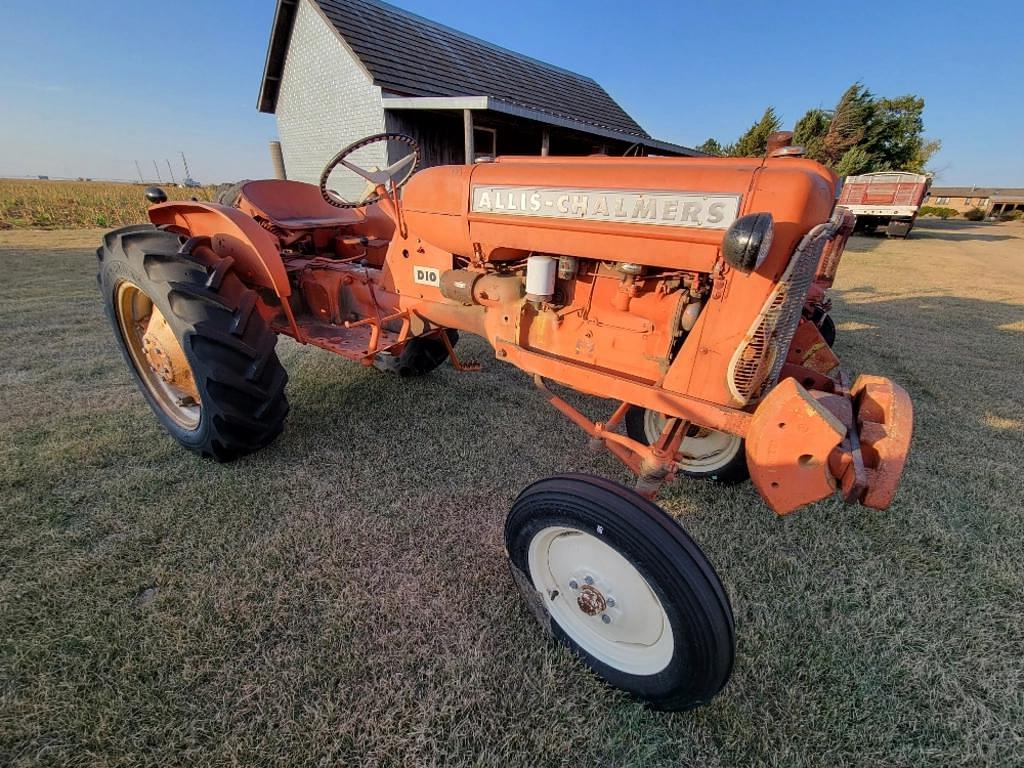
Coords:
674,287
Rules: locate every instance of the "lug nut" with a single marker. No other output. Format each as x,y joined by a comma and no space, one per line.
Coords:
611,602
606,618
589,579
573,584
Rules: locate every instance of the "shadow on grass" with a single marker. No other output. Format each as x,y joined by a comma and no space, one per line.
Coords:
965,353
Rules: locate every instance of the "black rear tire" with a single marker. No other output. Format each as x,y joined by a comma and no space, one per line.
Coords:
691,659
227,344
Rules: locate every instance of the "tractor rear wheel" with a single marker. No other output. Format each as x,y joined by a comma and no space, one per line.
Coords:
620,583
707,454
188,328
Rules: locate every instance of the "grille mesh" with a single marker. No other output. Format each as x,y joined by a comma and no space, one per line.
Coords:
830,263
758,361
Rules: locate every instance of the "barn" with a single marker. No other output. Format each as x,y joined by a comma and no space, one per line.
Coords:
339,70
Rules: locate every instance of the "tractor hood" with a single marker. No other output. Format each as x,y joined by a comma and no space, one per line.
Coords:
598,207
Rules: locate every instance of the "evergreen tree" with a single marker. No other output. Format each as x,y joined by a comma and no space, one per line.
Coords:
864,133
810,131
754,143
849,124
855,160
712,147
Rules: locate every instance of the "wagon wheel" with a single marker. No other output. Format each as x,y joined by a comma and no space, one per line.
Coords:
620,583
705,453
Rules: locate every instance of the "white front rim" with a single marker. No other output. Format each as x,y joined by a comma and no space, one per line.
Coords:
630,630
705,450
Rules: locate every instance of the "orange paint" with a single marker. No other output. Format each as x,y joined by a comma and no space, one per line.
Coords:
645,309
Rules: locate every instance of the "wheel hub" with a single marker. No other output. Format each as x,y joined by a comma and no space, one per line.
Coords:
158,360
157,355
591,601
165,356
600,599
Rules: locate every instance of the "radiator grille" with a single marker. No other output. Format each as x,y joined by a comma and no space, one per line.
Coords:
758,360
830,262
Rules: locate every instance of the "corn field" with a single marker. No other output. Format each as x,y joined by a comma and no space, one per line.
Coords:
45,204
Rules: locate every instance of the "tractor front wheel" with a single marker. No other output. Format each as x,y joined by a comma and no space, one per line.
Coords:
199,351
705,454
620,583
418,357
827,329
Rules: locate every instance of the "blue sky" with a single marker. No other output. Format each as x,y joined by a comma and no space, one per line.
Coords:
92,86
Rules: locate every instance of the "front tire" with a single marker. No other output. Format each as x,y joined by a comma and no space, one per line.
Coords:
199,350
706,454
422,355
827,329
620,583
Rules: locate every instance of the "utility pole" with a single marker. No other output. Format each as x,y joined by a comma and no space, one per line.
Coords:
139,171
171,171
158,179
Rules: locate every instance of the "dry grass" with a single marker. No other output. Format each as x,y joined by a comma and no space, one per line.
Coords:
27,204
342,597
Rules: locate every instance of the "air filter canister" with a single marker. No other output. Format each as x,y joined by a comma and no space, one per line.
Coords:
540,277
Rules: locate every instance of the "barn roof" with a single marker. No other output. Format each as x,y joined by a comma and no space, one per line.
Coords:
407,55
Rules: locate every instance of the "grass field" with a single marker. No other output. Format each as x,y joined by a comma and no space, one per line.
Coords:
34,203
342,597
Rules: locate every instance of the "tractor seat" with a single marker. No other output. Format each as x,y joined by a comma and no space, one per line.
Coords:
294,205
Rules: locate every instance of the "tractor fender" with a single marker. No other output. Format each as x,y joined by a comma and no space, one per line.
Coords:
254,251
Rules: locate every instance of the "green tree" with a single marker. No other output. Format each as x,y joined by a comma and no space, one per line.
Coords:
810,131
855,160
863,133
849,124
924,153
896,140
754,143
712,147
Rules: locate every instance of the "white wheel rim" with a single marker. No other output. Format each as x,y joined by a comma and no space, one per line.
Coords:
705,451
631,632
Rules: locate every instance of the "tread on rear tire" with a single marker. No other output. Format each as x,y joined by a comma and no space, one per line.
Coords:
227,344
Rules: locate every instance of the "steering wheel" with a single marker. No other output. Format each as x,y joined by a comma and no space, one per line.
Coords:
391,178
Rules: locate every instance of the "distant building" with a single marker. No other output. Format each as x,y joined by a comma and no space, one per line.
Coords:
340,70
991,200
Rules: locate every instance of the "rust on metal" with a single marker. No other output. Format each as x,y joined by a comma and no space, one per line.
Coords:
810,350
166,357
885,418
789,445
590,600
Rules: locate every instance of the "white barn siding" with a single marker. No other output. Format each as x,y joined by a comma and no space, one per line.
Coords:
326,101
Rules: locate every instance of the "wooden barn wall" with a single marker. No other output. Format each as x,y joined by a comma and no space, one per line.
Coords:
440,136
